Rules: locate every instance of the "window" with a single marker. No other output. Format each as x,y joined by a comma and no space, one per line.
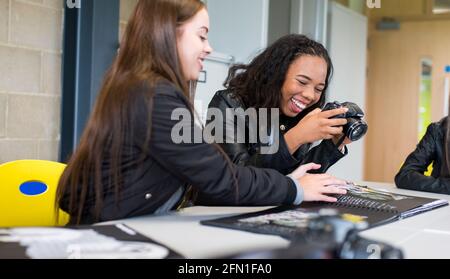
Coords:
441,6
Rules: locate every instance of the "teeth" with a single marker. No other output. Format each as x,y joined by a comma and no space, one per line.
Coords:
298,104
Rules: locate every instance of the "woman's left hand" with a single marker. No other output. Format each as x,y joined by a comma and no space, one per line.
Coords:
303,169
337,138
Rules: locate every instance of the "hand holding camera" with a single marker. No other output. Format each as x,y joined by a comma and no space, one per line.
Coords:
340,122
315,126
355,128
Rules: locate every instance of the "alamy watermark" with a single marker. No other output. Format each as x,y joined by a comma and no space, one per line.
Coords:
234,125
373,4
71,4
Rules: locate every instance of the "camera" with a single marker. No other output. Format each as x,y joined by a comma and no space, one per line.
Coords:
355,128
330,235
335,236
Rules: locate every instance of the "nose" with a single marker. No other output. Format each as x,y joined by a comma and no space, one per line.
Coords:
208,49
309,94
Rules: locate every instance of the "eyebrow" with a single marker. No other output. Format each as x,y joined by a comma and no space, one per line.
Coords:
309,79
206,28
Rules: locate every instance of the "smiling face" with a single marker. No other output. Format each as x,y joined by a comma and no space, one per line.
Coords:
304,83
193,45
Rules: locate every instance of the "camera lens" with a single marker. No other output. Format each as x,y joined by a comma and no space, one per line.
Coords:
356,129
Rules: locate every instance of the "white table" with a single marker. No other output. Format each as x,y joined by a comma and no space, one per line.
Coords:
423,236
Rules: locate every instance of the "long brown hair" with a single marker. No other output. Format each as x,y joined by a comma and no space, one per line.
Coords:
148,54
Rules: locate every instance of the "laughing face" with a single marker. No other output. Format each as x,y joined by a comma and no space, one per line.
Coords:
303,85
193,45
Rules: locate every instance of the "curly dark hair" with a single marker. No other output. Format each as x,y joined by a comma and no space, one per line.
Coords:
259,83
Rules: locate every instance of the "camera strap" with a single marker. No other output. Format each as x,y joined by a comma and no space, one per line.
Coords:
340,141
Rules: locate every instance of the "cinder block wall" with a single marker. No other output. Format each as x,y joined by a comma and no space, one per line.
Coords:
30,74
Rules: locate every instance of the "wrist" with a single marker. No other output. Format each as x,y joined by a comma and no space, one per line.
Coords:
300,196
294,140
289,138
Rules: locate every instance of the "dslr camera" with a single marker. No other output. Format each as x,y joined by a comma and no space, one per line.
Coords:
355,128
330,235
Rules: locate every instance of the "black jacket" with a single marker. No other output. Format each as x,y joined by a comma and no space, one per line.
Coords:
429,150
248,154
168,166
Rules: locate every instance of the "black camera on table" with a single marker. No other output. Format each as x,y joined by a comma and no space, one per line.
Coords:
329,235
332,236
355,128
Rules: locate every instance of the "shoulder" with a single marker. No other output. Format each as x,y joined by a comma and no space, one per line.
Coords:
167,88
438,129
160,90
161,96
443,126
226,98
443,123
158,87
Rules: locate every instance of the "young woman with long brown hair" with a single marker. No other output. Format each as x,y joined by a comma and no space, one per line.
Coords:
127,163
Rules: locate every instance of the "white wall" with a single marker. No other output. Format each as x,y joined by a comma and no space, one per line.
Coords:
347,44
238,32
238,27
279,19
215,71
309,17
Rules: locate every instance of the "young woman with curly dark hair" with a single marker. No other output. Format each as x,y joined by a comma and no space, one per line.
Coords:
291,75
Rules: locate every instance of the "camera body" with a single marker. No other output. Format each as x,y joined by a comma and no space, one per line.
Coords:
355,128
330,235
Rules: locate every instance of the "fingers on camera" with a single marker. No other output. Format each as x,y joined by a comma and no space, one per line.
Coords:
334,112
338,121
335,130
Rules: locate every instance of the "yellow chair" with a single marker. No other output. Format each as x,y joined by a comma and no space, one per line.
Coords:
27,194
429,170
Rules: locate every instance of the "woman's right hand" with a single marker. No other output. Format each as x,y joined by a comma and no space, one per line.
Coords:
318,187
316,125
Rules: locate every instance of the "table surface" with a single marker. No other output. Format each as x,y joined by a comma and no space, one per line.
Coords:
426,235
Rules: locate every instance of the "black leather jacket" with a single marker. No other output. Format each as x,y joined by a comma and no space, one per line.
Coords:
248,154
429,150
